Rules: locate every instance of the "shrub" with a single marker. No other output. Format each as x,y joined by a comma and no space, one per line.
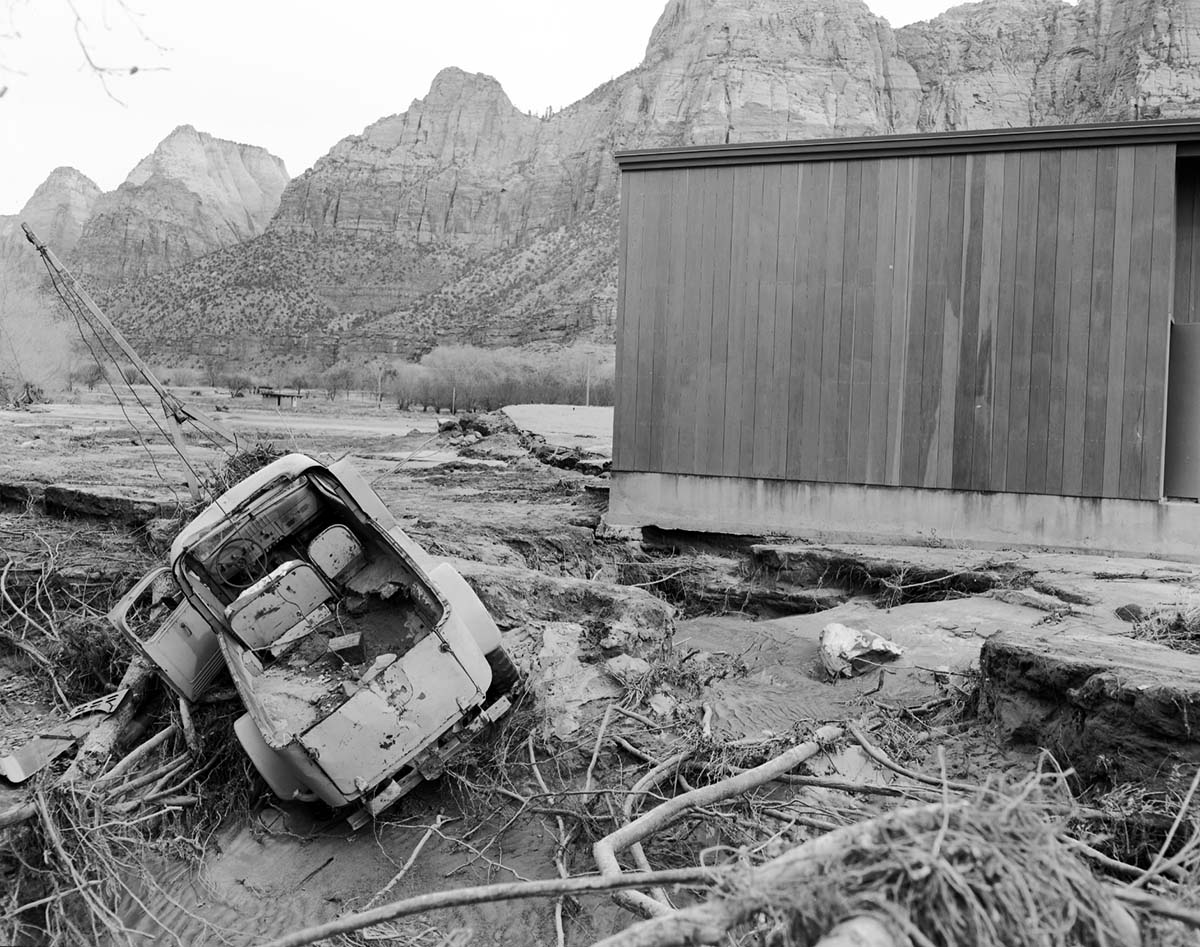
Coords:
467,378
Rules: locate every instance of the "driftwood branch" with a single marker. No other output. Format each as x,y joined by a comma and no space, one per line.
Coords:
486,894
99,745
709,923
605,851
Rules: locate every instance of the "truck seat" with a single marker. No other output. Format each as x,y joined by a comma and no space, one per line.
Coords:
290,601
336,552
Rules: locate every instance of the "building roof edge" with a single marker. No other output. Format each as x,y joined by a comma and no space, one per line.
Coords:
1170,131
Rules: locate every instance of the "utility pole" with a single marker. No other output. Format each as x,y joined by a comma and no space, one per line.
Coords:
175,410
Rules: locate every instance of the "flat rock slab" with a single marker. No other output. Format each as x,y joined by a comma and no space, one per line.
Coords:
1096,590
1111,707
133,505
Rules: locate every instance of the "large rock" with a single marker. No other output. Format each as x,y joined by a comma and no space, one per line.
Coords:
1113,708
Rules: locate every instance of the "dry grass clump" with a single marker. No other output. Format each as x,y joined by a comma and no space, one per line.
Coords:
1177,628
240,466
991,872
680,675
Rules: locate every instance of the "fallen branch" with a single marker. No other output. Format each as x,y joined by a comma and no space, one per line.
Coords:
1159,906
605,850
138,752
97,907
188,727
1157,866
172,767
99,745
488,894
884,760
559,850
396,878
21,812
792,880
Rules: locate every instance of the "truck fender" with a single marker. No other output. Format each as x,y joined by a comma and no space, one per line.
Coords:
465,604
273,767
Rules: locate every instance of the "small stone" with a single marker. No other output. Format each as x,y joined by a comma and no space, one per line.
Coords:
1131,613
625,667
663,705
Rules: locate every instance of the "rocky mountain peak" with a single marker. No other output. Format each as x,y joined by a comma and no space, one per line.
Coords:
461,112
193,194
453,85
723,71
60,206
215,169
712,23
440,167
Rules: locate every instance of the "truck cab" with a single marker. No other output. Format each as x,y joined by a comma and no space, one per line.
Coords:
362,662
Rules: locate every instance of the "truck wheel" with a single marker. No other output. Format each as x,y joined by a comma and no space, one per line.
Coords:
505,676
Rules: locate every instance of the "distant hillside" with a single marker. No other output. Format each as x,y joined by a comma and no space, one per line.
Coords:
279,293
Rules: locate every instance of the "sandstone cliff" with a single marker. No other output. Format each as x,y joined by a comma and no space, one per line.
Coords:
57,213
192,195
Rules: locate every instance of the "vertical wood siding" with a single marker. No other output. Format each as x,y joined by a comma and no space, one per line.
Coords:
972,322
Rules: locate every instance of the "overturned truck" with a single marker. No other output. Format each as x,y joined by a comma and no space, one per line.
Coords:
362,662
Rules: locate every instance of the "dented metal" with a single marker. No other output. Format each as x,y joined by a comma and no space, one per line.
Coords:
363,663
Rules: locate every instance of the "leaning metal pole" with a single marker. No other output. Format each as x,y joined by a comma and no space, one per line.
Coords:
175,410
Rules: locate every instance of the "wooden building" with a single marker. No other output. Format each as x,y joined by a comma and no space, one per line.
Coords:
965,334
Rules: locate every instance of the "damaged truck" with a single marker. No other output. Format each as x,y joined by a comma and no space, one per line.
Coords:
362,662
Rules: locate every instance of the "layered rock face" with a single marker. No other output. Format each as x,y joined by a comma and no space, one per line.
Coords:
1035,62
464,164
444,167
192,195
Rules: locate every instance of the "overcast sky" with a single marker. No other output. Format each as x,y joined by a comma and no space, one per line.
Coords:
294,76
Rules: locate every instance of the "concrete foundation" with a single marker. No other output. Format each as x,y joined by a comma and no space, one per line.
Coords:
829,512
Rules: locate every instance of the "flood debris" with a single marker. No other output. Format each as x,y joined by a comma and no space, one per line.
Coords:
48,746
927,861
883,817
20,395
846,651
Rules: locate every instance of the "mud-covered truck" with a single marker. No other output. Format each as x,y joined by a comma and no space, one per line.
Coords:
362,662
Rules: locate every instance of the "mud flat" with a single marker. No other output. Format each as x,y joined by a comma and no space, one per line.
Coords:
638,651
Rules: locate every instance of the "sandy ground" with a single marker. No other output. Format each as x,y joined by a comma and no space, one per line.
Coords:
567,425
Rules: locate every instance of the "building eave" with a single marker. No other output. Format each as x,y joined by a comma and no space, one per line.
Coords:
1182,132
